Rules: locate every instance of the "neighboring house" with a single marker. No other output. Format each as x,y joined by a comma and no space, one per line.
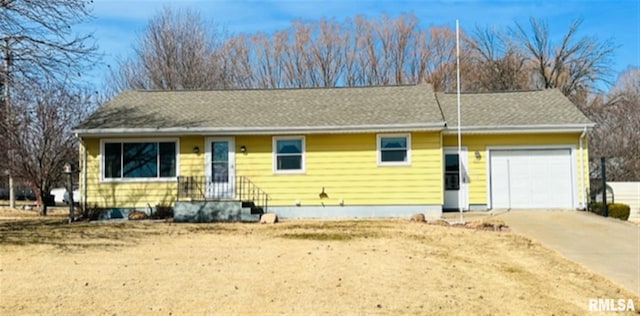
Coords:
335,152
624,192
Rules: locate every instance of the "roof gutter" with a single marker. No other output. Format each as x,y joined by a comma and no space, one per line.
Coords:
259,130
548,128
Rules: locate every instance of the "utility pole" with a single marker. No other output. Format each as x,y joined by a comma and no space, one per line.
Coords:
7,62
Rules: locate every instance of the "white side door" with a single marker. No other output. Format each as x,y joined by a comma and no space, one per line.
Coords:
456,181
219,167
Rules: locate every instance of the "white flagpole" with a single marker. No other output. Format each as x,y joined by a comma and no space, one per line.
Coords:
460,167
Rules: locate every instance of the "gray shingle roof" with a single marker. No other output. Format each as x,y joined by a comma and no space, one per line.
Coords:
406,107
275,108
504,109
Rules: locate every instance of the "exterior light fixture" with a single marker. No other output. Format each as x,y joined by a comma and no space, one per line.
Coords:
243,148
196,150
477,154
67,168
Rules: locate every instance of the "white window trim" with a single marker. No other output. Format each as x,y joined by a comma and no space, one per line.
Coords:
463,173
274,150
138,140
393,163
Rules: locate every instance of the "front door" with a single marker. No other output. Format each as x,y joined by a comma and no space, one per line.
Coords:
455,179
220,167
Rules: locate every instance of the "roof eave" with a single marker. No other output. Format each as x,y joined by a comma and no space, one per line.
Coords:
542,128
177,131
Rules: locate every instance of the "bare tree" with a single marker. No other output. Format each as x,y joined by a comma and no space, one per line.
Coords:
369,60
176,50
349,41
573,65
268,59
617,132
497,62
38,41
441,58
359,51
326,54
418,57
41,133
395,50
235,56
297,65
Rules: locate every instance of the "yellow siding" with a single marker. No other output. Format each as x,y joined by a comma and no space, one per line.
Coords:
346,166
477,169
190,163
140,193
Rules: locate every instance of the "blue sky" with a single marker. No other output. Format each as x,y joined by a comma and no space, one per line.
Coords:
118,22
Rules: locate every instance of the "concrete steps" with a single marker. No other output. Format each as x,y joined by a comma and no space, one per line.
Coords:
216,211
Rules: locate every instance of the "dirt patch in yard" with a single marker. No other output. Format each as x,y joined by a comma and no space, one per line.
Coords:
294,267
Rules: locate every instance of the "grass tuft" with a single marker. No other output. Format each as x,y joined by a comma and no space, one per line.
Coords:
318,236
512,269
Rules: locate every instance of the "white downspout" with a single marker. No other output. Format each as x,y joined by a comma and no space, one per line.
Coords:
583,203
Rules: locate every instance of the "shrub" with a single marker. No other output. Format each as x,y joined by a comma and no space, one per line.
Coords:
615,210
595,207
162,212
619,211
92,213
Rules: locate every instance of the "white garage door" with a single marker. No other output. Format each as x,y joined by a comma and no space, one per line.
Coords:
531,178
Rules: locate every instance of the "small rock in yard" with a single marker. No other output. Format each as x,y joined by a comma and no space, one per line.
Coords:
439,222
418,218
137,215
492,224
268,218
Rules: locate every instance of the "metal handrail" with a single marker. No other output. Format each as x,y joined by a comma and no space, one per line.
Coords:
203,188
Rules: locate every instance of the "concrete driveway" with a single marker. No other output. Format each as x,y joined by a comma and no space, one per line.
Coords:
606,246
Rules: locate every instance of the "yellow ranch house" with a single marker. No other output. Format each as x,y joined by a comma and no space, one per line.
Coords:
382,151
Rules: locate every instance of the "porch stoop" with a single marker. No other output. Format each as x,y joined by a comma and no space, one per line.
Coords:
203,200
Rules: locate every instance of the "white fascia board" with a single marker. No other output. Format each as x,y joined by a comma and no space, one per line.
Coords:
105,132
521,129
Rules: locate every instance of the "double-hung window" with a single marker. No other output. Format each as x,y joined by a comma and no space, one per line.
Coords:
288,154
394,149
139,160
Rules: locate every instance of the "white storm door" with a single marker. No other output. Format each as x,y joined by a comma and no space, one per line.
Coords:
455,179
220,167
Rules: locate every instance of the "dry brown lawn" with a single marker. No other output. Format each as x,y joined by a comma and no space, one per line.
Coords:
295,267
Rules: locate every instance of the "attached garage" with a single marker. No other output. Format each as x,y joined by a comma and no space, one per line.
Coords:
532,178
